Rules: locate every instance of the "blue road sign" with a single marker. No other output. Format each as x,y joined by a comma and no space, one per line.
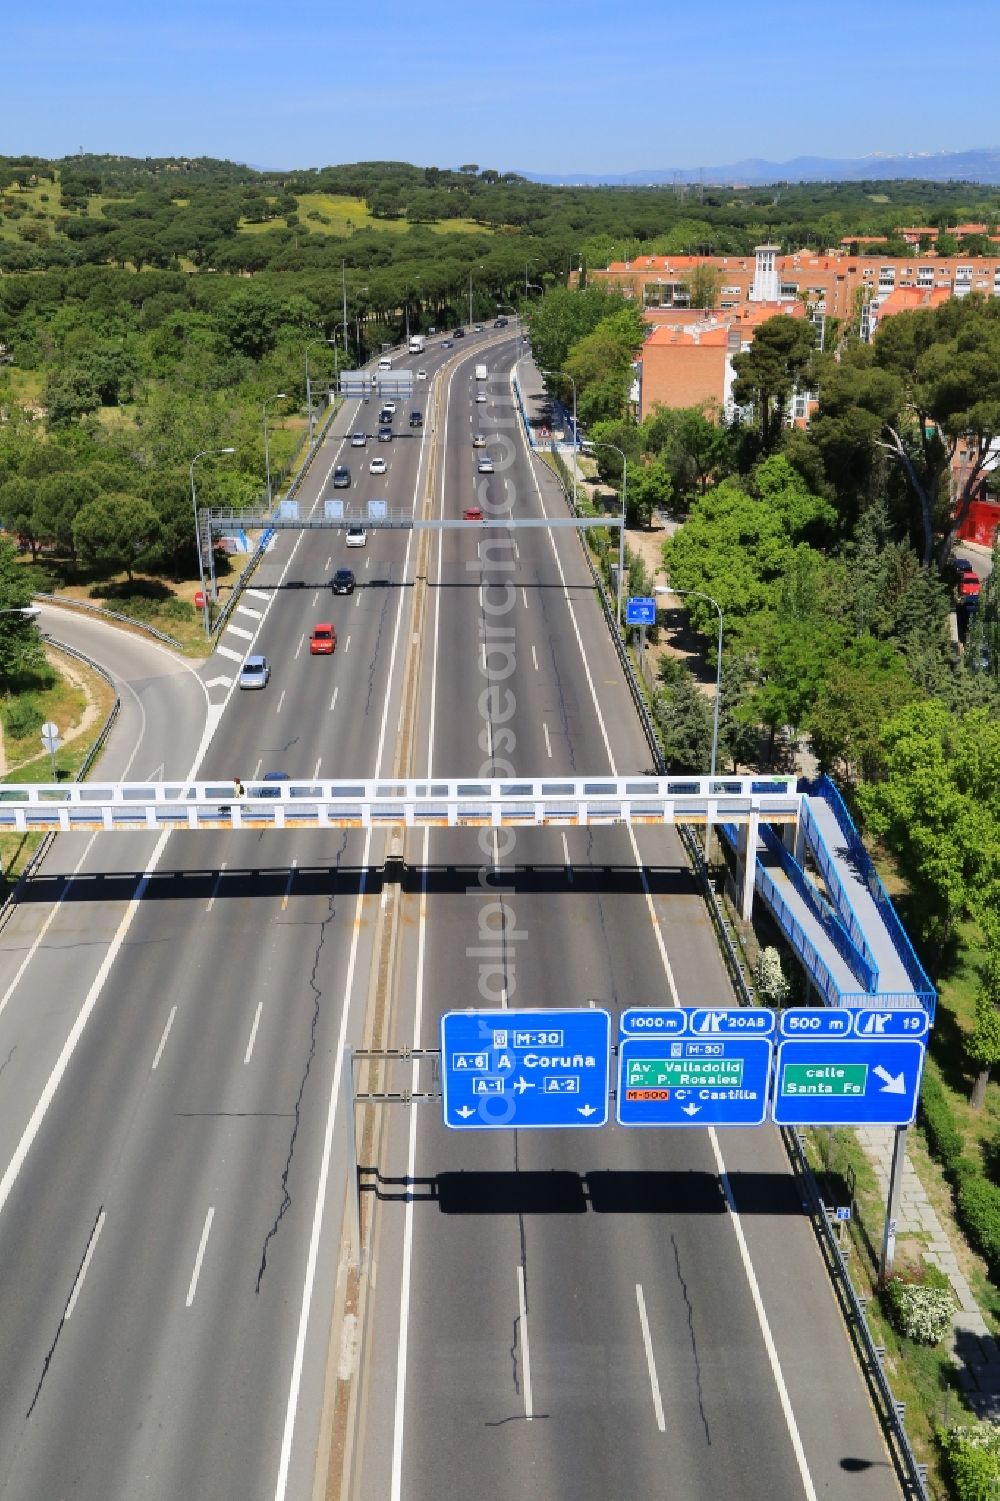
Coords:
669,1021
508,1070
815,1021
652,1021
915,1023
333,510
378,510
640,610
836,1081
710,1080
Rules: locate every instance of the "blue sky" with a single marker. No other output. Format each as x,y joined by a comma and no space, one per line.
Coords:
581,87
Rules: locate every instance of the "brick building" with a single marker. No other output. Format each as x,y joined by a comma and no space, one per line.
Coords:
686,359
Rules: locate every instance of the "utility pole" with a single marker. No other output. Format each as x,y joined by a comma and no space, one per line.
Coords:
343,289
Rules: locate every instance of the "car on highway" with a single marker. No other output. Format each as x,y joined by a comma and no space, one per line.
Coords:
341,477
377,466
480,397
386,415
323,641
500,322
472,513
385,434
390,407
358,440
485,464
343,581
445,343
421,375
478,328
458,333
255,673
478,440
273,780
356,536
416,419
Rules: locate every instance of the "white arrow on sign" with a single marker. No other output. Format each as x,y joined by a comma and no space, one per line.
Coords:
587,1109
877,1022
894,1083
465,1111
690,1109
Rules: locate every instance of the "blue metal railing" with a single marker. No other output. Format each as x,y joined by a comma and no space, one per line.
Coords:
860,963
917,975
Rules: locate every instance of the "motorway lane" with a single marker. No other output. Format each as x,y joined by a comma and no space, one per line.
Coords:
149,1149
656,1215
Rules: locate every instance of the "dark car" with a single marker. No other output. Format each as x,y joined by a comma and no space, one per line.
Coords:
416,419
271,777
341,477
385,416
458,333
343,581
499,322
385,434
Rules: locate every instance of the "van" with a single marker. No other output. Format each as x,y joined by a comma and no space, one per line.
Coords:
481,372
385,363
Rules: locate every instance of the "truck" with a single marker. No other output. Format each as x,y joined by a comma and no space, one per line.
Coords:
481,372
417,343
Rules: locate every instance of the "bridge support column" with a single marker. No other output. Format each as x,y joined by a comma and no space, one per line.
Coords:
793,837
746,861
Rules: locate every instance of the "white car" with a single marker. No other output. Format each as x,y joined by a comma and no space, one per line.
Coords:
356,536
485,464
254,673
478,440
377,466
390,407
358,440
480,398
421,375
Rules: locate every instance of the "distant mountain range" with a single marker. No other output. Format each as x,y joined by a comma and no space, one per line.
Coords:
981,165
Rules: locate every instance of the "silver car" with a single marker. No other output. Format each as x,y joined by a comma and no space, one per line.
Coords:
255,672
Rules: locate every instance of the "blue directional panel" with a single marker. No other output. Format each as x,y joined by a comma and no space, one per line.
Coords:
514,1070
640,610
714,1079
835,1081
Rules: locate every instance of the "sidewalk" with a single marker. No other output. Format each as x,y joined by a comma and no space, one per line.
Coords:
974,1348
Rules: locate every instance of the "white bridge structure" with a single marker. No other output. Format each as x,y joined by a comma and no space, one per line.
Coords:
359,803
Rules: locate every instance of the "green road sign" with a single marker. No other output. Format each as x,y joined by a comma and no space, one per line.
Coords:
684,1073
823,1079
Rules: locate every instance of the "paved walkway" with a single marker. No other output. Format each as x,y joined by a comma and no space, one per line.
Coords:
974,1347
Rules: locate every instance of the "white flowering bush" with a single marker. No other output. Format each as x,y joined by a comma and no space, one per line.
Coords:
921,1313
972,1456
770,983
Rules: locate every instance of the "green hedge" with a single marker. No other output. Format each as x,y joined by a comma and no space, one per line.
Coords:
978,1203
944,1137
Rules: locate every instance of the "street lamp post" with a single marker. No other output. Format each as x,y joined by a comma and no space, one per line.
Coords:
197,530
278,396
564,375
621,534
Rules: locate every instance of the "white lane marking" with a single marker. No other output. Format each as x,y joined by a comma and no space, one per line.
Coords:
357,601
210,1216
534,656
548,742
315,599
226,651
347,644
219,682
319,763
765,1328
257,594
650,1362
253,1032
86,1263
368,562
327,564
215,888
522,1306
298,1359
256,770
237,630
288,885
333,701
524,596
36,945
395,1489
281,700
242,609
566,860
166,1034
302,642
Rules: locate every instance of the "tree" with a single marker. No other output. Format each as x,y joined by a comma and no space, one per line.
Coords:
983,1046
67,394
20,641
865,685
601,365
684,718
114,529
772,368
648,486
703,284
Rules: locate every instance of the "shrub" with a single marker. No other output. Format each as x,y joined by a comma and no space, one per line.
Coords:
972,1460
919,1311
978,1204
21,716
938,1120
771,985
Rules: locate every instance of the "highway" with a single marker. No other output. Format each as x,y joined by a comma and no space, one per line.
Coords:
556,1314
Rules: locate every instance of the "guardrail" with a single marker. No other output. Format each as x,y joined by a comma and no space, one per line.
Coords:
66,603
923,989
862,967
831,876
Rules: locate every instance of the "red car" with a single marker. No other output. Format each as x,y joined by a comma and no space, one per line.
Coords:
969,586
323,641
472,513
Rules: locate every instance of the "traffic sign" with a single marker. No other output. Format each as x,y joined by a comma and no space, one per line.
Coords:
669,1021
912,1023
652,1021
847,1082
333,510
640,610
693,1081
508,1070
288,510
378,510
815,1021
